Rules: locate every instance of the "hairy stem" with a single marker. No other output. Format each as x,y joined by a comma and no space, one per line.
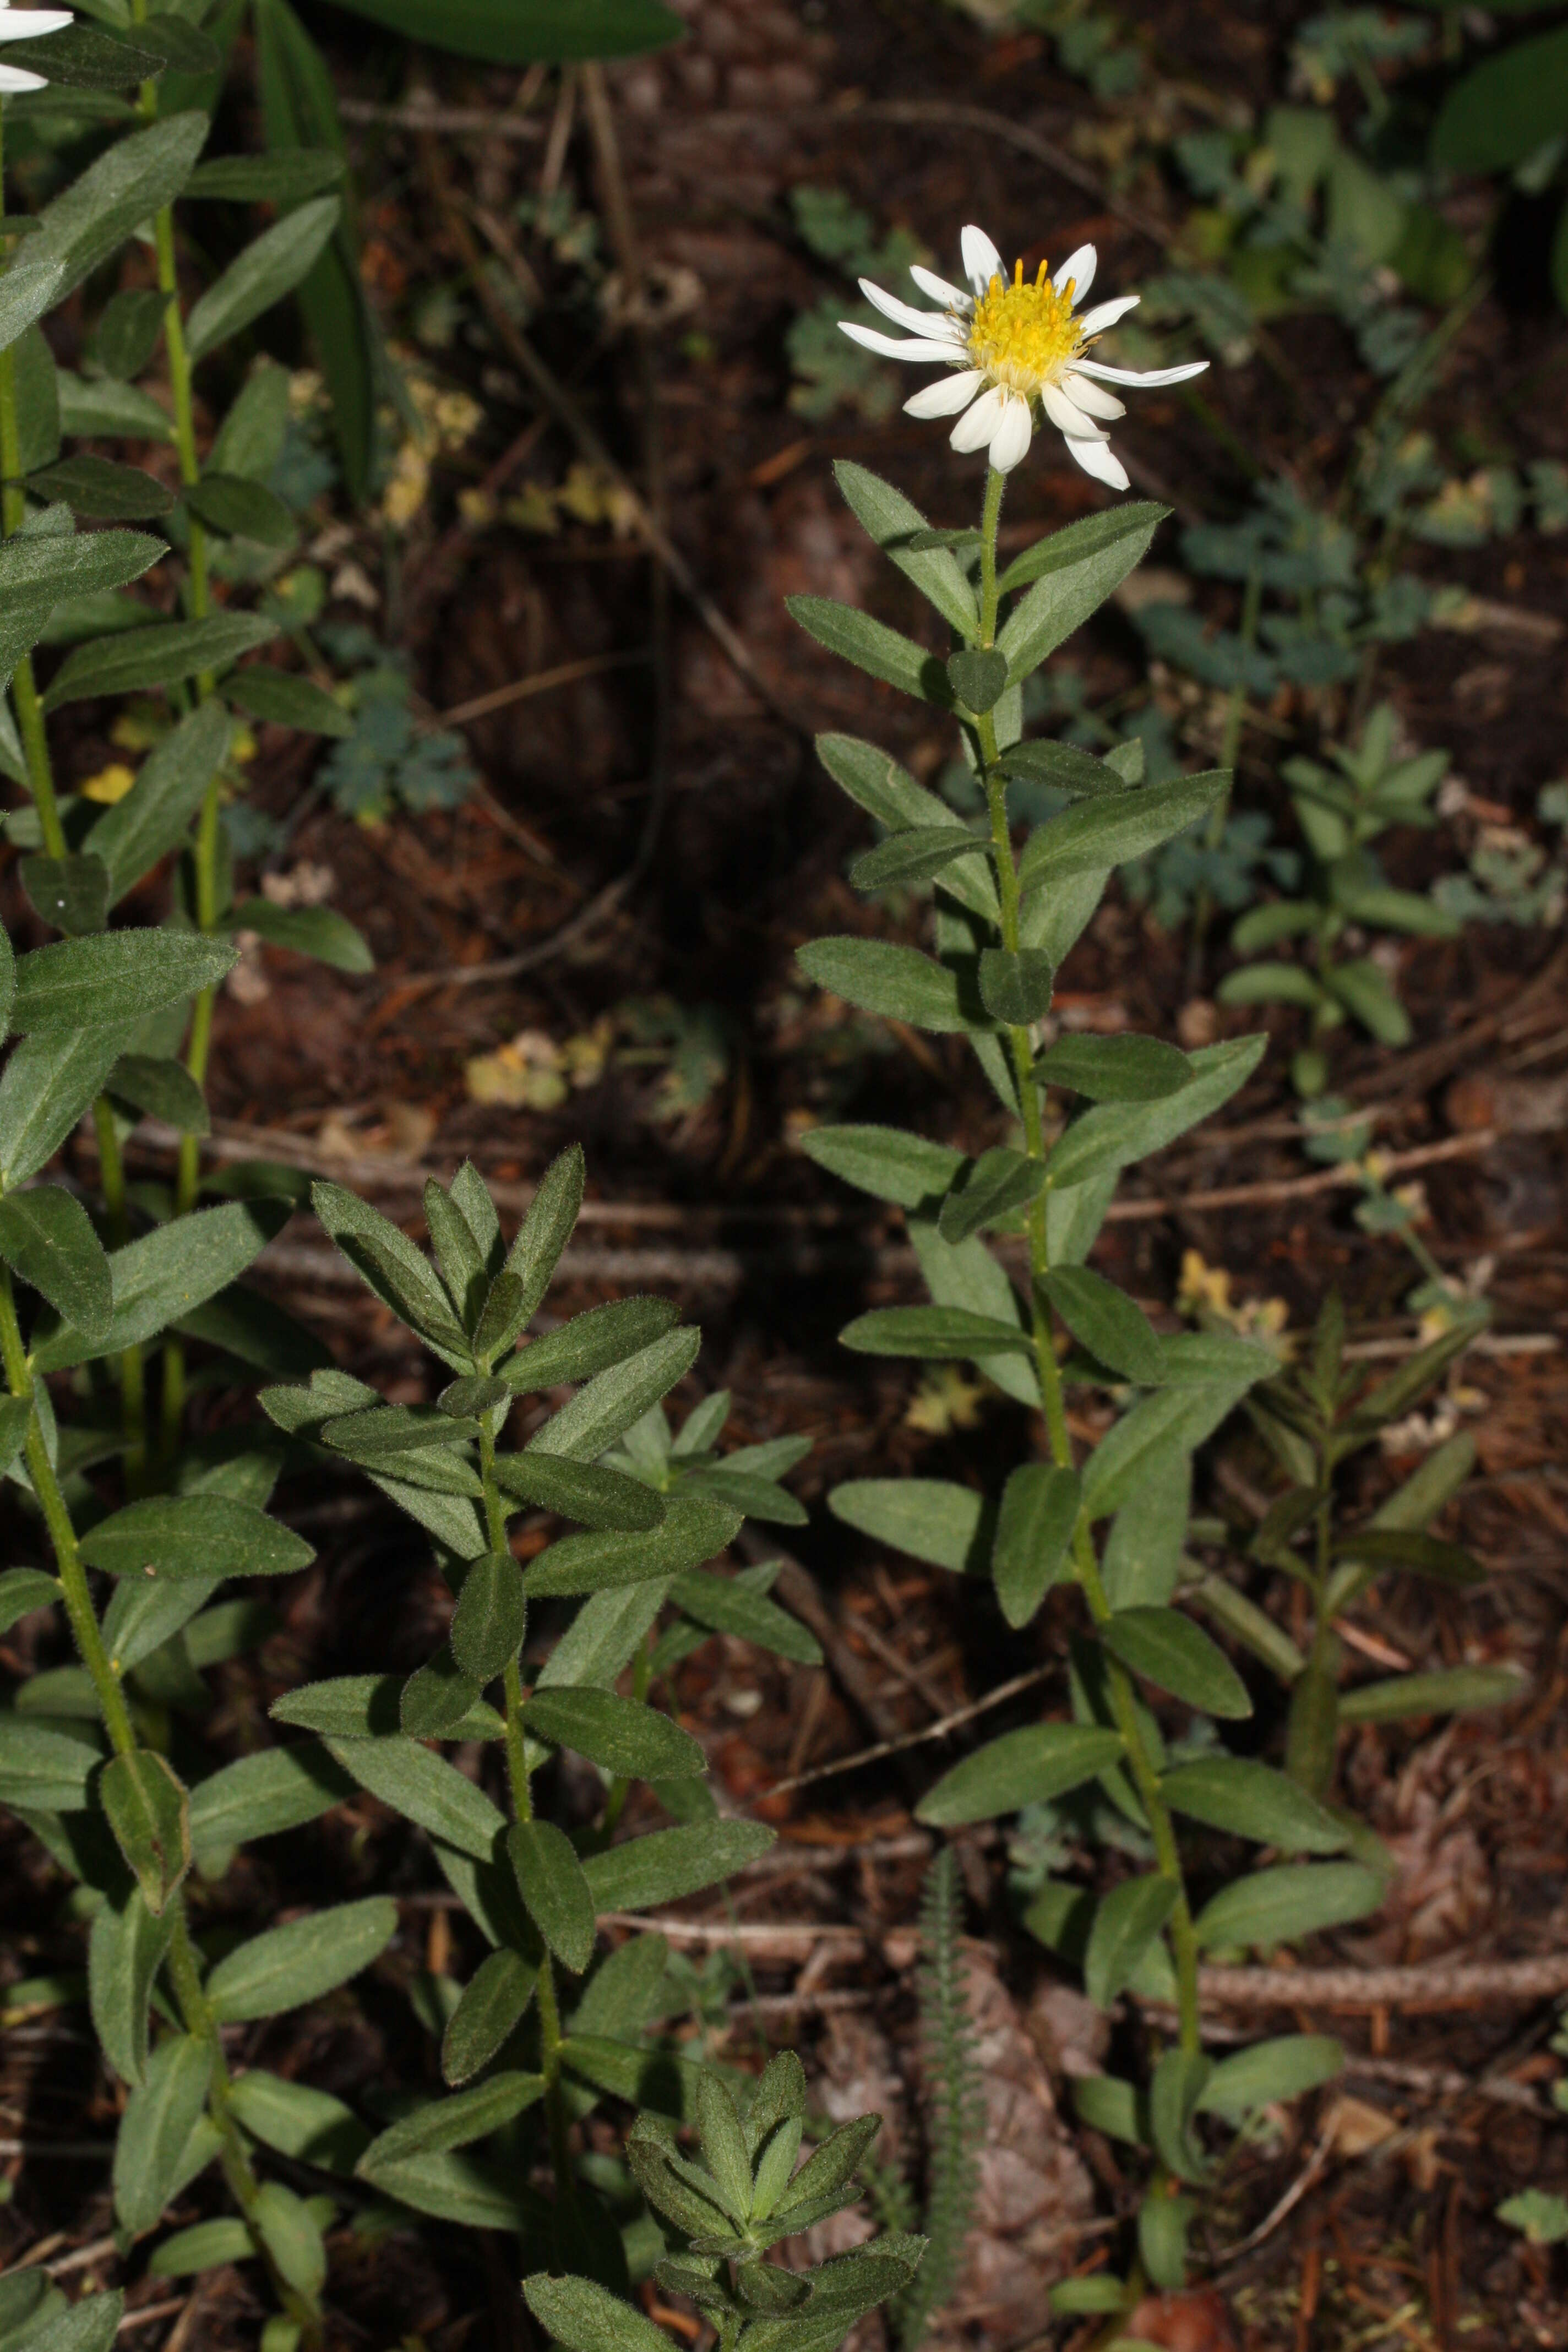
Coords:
1145,1778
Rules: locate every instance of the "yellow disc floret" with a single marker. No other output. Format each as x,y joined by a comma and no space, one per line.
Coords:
1025,336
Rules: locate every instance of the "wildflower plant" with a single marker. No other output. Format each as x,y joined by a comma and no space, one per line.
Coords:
1112,1524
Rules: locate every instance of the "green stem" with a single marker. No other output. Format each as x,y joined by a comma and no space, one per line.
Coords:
130,1367
1146,1778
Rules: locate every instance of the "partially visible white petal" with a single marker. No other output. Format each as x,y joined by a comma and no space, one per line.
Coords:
952,298
1010,441
1106,314
947,396
1090,399
1150,379
981,262
1067,415
31,24
14,82
1097,457
893,347
1080,268
934,323
976,425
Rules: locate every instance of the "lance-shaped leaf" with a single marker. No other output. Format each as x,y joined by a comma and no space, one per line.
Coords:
1125,1924
624,1736
491,1616
1446,1690
426,1789
1252,1801
1022,1768
888,655
269,268
608,1405
1168,1650
1097,834
598,1341
1106,1321
280,699
156,814
885,1161
319,932
1064,767
1115,1069
146,1807
930,1519
260,1795
489,2007
446,2124
1034,1535
88,983
287,1966
672,1862
1293,1899
1270,2073
729,1605
46,1237
933,1334
193,1536
1068,576
896,983
583,2318
47,1085
42,1771
400,1274
906,858
125,1952
580,1490
994,1187
159,656
165,2136
896,526
554,1890
694,1530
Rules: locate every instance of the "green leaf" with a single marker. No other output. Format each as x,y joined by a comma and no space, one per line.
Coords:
1022,1768
885,1161
280,699
906,858
38,402
124,1954
1097,834
1270,2072
387,1260
1106,1321
930,1519
47,1085
162,1088
115,195
463,2189
1505,107
1125,1924
33,283
933,1334
551,1880
260,1795
992,1188
269,268
875,782
896,983
296,2121
730,1606
152,818
1168,1650
624,1736
1034,1533
87,984
80,56
978,677
489,2007
672,1862
856,637
161,2120
207,2246
145,1806
1539,2214
167,1274
1064,767
1251,1801
1116,1069
37,569
289,2231
580,2315
424,1788
695,1529
1072,573
1403,1548
519,32
1365,991
444,2124
1180,2078
1293,1899
579,1490
22,1589
43,1771
283,180
104,491
608,1339
319,932
194,1535
889,517
1447,1690
107,410
239,509
491,1616
1116,1134
1271,983
70,893
286,1967
46,1237
1016,984
437,1699
159,656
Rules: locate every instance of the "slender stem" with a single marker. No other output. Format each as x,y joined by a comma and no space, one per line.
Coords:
29,710
133,1381
1123,1699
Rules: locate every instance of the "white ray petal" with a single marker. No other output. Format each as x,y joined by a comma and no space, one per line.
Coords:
981,262
947,396
1106,314
1149,379
31,24
934,323
976,425
14,82
952,298
1066,414
1080,268
1010,441
1091,398
1097,457
893,347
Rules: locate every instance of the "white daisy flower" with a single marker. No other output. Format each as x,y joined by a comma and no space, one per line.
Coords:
27,25
1012,345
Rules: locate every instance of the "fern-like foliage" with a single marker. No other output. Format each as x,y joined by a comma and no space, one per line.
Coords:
955,2108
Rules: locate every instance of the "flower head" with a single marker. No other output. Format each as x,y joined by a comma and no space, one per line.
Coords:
1012,345
27,25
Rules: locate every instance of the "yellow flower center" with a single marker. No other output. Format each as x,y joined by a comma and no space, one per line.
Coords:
1025,336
